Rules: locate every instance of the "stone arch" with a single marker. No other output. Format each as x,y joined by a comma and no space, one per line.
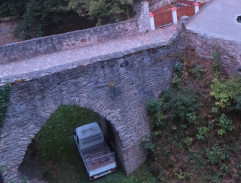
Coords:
116,88
22,132
75,105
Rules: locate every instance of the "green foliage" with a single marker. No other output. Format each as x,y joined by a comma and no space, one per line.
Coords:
154,110
178,68
188,141
191,117
202,133
225,125
216,64
181,103
236,104
217,154
227,93
41,16
152,106
177,80
188,147
98,10
148,145
4,98
12,7
197,71
214,109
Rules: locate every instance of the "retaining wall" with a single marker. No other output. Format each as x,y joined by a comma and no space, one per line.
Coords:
230,55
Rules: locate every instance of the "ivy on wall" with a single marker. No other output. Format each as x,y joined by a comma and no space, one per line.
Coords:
4,98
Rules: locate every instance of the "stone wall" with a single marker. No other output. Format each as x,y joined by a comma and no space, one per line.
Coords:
143,18
116,88
70,40
229,50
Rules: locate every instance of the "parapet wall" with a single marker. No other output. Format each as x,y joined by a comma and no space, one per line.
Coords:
66,41
230,57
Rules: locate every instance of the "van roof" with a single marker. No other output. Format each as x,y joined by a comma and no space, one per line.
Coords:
88,130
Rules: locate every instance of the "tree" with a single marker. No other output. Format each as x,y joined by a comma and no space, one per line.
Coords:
12,7
99,10
40,16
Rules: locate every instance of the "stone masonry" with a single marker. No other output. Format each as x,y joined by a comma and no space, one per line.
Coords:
143,19
204,45
117,88
66,41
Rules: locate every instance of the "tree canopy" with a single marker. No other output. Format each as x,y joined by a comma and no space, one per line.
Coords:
40,16
98,10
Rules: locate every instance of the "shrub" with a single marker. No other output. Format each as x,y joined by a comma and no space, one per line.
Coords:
217,154
197,71
177,81
188,141
202,133
227,93
216,64
178,68
181,103
225,125
152,107
155,112
148,145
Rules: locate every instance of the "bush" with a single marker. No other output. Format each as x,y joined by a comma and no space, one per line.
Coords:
148,145
181,103
152,107
216,64
227,93
197,71
225,125
178,68
202,133
155,112
217,154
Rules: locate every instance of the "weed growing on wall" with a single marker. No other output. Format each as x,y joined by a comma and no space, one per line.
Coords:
4,98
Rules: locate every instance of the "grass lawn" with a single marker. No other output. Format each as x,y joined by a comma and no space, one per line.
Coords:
56,150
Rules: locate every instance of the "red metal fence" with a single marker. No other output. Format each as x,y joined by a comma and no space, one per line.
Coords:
185,11
164,16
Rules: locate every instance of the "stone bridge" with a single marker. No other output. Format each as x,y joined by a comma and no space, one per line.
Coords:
114,79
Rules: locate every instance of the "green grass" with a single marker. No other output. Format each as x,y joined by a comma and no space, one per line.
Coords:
56,150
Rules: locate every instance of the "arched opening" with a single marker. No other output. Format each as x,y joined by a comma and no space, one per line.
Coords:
53,156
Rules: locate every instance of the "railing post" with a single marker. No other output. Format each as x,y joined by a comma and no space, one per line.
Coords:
196,4
174,15
152,23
